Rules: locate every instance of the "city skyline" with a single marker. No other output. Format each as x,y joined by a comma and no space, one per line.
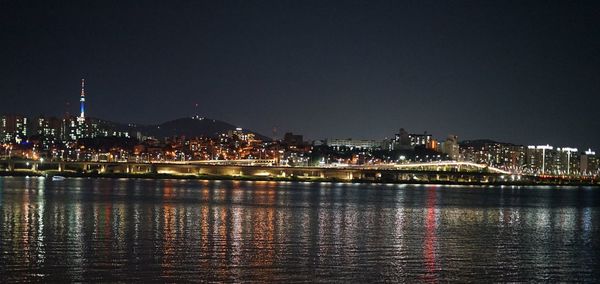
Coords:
513,72
81,118
279,136
77,138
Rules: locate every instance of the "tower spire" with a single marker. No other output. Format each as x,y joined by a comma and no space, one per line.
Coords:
82,101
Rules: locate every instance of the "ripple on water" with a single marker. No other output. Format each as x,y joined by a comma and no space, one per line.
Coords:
149,230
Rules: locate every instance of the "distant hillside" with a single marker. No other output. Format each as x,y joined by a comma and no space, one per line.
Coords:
191,127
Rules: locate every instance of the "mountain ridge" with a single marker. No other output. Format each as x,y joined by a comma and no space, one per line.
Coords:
184,126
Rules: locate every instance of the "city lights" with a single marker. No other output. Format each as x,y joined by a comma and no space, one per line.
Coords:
50,140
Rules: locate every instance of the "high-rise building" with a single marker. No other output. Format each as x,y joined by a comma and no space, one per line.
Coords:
495,154
450,147
47,126
539,159
515,158
353,143
13,127
69,129
566,161
402,140
588,163
420,139
49,129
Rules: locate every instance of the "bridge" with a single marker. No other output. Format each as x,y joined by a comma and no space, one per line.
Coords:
244,162
446,165
448,171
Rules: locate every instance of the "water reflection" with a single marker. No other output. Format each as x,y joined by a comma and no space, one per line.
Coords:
430,234
139,230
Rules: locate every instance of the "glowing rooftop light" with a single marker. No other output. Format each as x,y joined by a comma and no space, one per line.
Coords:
544,147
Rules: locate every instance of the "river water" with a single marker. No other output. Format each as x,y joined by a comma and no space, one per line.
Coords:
134,230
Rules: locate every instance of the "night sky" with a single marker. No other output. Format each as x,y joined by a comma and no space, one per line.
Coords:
506,70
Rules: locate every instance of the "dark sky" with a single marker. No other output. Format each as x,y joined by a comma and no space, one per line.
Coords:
517,71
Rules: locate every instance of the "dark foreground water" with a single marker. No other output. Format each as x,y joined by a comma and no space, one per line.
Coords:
168,230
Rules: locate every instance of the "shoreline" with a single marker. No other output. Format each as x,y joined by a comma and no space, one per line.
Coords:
158,176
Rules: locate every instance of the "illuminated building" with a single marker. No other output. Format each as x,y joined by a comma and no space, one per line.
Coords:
240,135
353,143
494,154
48,129
433,145
402,141
13,128
450,147
588,163
70,130
566,161
405,141
538,158
47,126
420,139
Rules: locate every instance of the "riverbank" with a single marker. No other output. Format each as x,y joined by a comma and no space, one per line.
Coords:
279,178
